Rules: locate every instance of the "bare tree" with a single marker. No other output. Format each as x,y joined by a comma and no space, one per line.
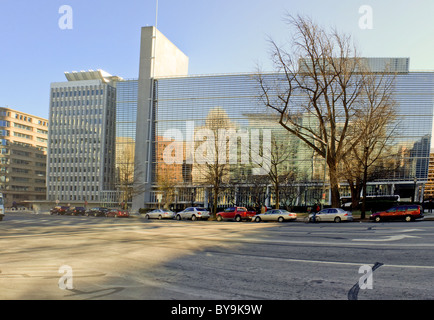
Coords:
210,168
377,121
125,170
318,92
290,189
275,162
166,185
257,188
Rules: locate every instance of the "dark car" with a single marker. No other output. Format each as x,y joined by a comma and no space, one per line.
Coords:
59,210
117,213
76,211
97,212
404,212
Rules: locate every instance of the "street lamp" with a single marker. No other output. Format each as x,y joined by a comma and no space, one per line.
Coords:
323,196
415,191
325,169
176,199
193,194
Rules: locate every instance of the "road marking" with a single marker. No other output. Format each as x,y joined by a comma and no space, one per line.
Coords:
389,238
410,230
326,262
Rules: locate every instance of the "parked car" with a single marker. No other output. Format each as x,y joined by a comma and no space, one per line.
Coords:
97,212
59,210
332,214
193,213
76,211
279,215
160,214
404,212
235,213
117,213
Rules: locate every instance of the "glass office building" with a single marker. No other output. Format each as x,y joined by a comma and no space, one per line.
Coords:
183,105
91,119
113,140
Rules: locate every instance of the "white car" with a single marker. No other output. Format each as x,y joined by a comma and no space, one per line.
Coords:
279,215
332,214
160,214
193,213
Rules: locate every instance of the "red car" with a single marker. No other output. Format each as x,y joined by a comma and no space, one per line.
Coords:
117,213
59,210
405,212
235,213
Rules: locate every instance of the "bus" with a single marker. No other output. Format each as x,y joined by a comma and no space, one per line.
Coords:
386,199
2,207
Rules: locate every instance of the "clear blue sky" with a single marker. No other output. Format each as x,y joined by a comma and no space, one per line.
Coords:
219,36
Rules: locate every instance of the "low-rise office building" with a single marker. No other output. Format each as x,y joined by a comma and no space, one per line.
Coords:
23,156
81,138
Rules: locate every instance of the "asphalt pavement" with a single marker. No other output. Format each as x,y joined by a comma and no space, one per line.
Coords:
97,258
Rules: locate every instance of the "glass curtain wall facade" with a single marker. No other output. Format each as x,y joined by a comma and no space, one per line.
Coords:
126,114
184,105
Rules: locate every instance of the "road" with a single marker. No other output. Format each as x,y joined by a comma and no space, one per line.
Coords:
89,258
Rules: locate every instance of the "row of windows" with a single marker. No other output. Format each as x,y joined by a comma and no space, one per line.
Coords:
22,117
21,162
75,140
6,133
22,188
76,93
70,197
21,179
74,155
77,122
82,131
78,112
4,123
22,144
67,169
77,103
4,113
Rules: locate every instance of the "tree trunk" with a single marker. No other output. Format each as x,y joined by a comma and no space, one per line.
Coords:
334,185
276,189
355,188
215,201
365,178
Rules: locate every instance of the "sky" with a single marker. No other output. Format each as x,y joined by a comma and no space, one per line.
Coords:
218,36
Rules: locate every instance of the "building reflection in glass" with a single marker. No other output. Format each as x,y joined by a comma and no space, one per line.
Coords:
232,101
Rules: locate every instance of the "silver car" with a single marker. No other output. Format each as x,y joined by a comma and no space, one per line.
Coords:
193,213
275,215
332,214
160,214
